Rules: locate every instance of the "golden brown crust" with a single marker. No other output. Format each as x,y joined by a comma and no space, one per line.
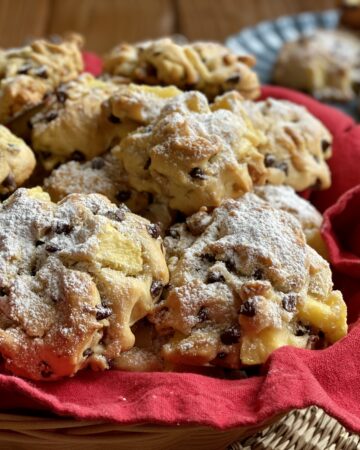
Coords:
205,66
17,161
192,156
30,72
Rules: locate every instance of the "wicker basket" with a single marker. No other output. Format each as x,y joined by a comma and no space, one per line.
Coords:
38,433
307,429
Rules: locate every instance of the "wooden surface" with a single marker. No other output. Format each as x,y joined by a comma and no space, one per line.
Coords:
107,22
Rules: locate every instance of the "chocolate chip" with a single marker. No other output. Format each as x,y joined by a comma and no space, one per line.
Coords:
325,145
208,257
87,352
45,369
41,72
114,119
233,79
154,230
103,312
189,86
51,248
248,308
61,95
77,155
51,115
4,291
118,215
302,329
147,164
24,69
230,265
9,182
97,163
214,277
221,355
63,228
230,336
174,233
258,274
33,270
197,173
289,302
39,242
123,196
156,288
269,160
203,314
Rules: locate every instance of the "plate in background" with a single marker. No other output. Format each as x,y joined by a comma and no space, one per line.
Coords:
266,39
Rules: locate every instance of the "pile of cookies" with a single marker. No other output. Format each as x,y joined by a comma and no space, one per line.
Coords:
149,217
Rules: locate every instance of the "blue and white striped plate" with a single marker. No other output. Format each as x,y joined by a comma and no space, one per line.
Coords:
266,39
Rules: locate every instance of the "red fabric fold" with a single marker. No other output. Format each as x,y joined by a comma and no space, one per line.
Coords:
292,378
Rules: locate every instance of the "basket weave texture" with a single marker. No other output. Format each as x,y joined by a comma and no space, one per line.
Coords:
305,429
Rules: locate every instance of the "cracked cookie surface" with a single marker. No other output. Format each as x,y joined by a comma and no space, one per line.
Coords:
205,66
75,276
243,283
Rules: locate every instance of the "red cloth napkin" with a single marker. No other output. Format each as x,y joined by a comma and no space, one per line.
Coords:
292,378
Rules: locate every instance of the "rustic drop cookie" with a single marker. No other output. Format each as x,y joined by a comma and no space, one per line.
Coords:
286,199
205,66
297,144
29,73
192,156
74,277
324,64
243,282
17,161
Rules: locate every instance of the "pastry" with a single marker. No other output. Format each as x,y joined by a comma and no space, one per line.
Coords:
105,175
285,198
297,143
192,156
17,161
243,282
28,74
205,66
75,276
82,120
324,64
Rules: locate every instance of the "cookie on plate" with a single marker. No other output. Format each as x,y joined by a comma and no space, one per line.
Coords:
17,161
75,276
286,199
28,73
243,282
205,66
324,63
192,156
297,144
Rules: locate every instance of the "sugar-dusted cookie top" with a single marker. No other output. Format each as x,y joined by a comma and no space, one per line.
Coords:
74,277
243,282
